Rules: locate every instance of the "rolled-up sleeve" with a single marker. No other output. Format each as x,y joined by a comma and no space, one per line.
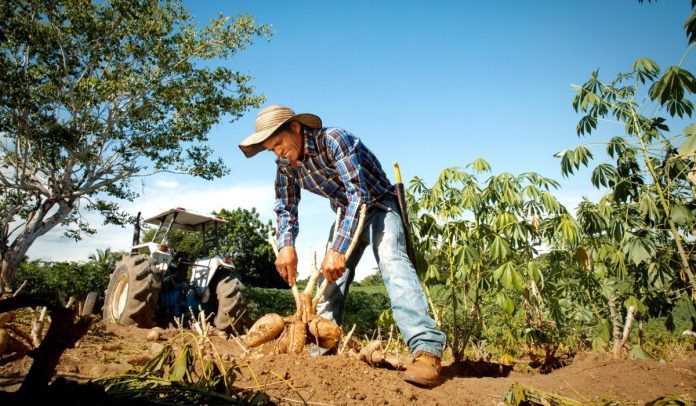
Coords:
287,198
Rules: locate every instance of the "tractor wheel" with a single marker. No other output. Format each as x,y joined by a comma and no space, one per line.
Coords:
230,300
133,291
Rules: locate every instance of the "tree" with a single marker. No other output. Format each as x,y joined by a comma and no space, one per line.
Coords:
94,94
253,257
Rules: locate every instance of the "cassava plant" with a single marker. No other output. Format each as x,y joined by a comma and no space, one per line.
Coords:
650,174
478,238
632,263
637,241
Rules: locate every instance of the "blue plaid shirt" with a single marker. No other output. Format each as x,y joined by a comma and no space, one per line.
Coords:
336,165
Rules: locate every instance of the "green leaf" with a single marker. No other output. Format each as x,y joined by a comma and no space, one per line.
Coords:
673,85
182,367
688,147
505,303
646,68
638,253
550,203
433,273
648,208
480,165
587,124
498,273
598,344
470,257
604,175
641,309
616,147
680,214
567,228
499,248
571,160
517,281
600,339
535,273
503,221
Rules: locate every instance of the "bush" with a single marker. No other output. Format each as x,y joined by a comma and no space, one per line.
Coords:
68,278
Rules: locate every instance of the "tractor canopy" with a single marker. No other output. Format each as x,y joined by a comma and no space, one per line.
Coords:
186,220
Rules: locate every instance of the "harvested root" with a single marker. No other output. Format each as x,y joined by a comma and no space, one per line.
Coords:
373,354
293,332
297,333
265,329
323,332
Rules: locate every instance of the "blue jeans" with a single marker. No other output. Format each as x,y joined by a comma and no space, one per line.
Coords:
385,230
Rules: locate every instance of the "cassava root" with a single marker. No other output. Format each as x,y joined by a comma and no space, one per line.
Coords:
291,333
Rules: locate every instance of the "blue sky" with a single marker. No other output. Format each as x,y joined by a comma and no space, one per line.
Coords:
430,85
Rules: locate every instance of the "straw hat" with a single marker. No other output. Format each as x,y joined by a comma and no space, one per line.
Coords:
268,121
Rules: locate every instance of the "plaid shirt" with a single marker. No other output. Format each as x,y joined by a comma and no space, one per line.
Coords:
335,165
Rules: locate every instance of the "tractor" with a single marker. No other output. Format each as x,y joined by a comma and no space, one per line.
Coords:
152,285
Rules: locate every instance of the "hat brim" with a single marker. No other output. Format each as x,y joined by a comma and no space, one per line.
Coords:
251,145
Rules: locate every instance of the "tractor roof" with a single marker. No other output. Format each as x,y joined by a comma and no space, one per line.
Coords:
185,219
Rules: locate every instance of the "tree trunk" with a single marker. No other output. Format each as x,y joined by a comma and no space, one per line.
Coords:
620,338
38,224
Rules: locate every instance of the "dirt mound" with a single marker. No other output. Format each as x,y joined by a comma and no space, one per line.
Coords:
289,379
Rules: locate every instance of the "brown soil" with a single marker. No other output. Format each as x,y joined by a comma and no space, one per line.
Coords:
339,380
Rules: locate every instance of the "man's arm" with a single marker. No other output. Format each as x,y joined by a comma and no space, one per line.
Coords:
287,200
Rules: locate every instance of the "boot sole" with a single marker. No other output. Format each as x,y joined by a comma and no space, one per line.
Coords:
419,381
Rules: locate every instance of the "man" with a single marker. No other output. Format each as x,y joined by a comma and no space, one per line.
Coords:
333,163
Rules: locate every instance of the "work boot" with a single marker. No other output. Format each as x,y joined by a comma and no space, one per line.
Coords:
424,371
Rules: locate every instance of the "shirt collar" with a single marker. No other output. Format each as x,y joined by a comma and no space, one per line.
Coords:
310,146
310,142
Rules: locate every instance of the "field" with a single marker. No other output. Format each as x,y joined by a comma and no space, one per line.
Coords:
589,378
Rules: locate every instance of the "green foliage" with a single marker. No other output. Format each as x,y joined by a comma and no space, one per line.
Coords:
374,279
69,278
646,151
244,236
363,310
637,240
261,301
477,238
95,93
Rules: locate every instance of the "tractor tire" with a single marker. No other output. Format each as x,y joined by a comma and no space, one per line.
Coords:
230,300
133,291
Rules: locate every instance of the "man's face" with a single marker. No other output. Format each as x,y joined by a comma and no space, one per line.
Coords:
286,144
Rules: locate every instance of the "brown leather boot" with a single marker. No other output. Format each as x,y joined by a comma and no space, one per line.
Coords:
424,371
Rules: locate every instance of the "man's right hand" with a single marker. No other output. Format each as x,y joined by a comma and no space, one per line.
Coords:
286,264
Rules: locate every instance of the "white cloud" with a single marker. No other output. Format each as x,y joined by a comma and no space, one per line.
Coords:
167,184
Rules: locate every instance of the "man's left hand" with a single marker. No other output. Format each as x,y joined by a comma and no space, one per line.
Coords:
333,265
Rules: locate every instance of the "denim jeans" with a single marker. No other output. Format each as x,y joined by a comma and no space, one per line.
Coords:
385,231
